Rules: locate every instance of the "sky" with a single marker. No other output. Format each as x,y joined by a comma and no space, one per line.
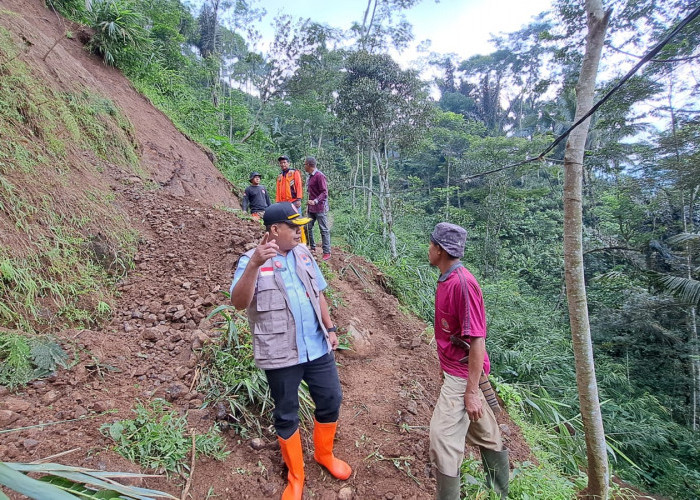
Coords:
463,27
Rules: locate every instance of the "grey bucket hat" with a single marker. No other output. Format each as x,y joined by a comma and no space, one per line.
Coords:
451,237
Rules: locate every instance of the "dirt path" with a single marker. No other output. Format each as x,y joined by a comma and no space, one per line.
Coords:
185,258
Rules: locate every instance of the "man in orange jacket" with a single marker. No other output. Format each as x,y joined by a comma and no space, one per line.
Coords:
290,188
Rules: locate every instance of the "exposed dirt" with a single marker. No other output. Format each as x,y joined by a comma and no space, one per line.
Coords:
188,250
185,258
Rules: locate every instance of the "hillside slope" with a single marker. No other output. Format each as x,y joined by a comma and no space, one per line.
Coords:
187,247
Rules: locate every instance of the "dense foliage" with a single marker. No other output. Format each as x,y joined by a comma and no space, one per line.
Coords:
398,166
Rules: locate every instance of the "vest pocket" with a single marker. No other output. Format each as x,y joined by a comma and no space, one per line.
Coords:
271,339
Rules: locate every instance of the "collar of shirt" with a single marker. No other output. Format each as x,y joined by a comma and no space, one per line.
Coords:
447,273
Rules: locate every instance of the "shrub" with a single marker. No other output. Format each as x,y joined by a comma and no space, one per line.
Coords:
117,26
157,438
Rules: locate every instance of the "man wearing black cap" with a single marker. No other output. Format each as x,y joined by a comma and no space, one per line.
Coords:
281,287
289,186
255,196
461,410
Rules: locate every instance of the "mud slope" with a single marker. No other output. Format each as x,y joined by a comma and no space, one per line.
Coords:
175,163
185,258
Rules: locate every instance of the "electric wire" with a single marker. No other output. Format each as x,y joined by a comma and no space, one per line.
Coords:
647,57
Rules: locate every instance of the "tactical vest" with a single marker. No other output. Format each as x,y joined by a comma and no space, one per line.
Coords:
270,317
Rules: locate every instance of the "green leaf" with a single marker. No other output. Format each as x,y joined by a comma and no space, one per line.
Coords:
32,488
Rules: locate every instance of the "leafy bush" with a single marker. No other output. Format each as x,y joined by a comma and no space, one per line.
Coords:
26,358
229,375
118,26
157,438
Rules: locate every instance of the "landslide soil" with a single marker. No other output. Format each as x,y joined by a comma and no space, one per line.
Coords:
186,256
150,348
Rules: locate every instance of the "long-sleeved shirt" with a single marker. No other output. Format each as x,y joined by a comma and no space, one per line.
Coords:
318,191
256,198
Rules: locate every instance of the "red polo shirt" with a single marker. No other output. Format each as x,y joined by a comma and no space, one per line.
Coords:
459,311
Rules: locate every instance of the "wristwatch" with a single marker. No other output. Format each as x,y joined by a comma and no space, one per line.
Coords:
332,329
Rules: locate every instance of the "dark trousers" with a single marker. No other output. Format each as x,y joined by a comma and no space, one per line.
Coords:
321,375
322,219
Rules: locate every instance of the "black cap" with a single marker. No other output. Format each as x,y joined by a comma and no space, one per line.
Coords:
283,211
254,174
283,157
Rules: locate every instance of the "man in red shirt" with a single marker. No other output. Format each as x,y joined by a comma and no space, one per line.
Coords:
461,410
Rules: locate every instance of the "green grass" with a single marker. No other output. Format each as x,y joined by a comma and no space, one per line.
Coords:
51,272
157,438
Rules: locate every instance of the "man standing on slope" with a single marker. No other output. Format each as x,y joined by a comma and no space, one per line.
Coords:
289,186
317,206
255,197
461,410
281,286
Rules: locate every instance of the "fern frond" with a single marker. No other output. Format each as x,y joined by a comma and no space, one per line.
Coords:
15,366
685,289
47,355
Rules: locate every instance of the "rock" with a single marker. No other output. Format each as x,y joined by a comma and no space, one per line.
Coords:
360,340
7,417
79,411
199,338
50,397
345,493
182,372
16,405
412,407
30,444
505,429
150,334
4,391
100,406
176,391
140,370
268,490
257,444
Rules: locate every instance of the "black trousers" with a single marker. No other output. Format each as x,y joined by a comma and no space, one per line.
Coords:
321,375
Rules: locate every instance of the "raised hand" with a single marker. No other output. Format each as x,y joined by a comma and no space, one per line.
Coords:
265,250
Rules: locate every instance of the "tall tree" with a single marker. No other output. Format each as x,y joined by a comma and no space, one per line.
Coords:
392,106
598,472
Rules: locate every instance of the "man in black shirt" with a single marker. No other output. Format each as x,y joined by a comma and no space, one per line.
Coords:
255,197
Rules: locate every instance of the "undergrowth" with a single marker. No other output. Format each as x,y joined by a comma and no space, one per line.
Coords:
24,358
229,376
65,242
158,439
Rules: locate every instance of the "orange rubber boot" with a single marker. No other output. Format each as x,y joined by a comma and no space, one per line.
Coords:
294,458
324,435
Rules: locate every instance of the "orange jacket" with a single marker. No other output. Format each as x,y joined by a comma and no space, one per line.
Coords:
289,186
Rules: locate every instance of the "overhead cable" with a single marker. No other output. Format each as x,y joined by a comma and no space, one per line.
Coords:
647,57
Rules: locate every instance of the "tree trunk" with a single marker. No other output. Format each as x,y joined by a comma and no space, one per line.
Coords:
598,472
447,191
354,177
369,193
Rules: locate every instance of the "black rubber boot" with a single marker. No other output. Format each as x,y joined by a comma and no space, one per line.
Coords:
497,470
447,487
